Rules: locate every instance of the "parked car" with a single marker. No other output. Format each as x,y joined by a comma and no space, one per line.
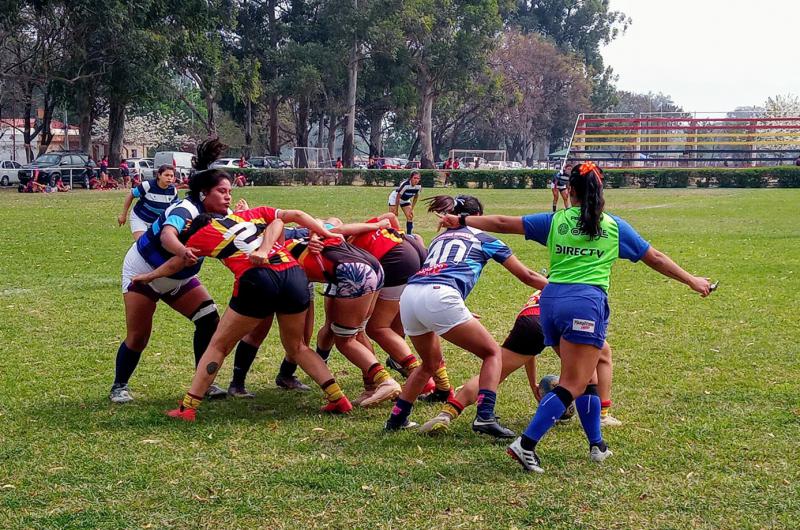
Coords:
227,163
180,160
66,165
389,163
267,162
413,164
143,166
8,172
472,162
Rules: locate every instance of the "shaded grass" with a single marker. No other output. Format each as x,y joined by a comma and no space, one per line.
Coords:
707,389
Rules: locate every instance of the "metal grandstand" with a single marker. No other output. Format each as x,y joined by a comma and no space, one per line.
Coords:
685,139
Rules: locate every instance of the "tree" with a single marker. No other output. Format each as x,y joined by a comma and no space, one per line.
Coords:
783,105
635,103
447,42
545,89
581,27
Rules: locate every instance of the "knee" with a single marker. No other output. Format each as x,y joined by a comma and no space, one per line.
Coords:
205,317
137,340
344,334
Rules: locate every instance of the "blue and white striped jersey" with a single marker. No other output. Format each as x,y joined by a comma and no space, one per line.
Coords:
153,199
179,216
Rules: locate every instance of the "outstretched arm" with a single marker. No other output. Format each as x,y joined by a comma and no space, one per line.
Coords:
524,274
354,229
303,219
273,233
170,267
501,224
660,262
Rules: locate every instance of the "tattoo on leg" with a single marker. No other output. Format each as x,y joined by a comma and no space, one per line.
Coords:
211,367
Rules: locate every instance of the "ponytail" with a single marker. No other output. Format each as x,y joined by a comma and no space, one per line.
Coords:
205,179
586,181
445,204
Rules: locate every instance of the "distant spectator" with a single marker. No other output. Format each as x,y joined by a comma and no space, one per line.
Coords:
797,161
371,163
60,186
88,172
456,163
104,172
339,164
125,172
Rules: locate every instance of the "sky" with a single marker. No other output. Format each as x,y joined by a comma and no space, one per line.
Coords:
709,55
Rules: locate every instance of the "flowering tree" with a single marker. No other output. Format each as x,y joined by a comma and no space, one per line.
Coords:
149,130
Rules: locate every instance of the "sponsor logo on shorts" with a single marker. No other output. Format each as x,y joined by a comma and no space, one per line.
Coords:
587,326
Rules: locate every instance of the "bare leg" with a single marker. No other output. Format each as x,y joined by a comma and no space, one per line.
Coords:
473,337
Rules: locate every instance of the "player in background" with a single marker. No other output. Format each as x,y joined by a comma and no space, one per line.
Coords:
405,197
155,196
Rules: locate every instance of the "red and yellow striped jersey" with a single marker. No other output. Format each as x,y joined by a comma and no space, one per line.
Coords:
234,237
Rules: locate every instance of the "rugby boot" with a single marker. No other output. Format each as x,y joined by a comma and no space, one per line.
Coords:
598,453
491,427
240,392
181,413
529,460
340,406
386,390
291,383
437,425
216,392
120,394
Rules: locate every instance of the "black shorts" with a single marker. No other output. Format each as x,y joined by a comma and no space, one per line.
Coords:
400,264
526,337
263,292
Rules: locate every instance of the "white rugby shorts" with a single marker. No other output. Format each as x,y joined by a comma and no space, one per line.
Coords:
426,308
135,264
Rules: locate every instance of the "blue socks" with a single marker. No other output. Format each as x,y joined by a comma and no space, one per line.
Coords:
127,360
486,401
409,227
551,408
588,407
400,413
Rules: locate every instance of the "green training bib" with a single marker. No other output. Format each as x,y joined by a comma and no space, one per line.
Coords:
577,258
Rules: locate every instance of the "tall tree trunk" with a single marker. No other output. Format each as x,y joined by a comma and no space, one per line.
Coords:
321,131
412,153
27,110
352,86
376,134
84,103
46,135
116,131
301,133
211,124
274,150
248,127
331,135
425,125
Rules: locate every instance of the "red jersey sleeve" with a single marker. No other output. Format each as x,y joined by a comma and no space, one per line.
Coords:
264,214
206,240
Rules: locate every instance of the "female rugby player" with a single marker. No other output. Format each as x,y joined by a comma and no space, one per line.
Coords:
209,192
432,305
523,344
268,281
405,197
352,279
584,242
155,196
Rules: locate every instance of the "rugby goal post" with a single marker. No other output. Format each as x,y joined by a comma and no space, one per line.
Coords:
480,158
312,158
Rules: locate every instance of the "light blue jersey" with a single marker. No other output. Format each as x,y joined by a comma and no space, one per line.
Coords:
456,258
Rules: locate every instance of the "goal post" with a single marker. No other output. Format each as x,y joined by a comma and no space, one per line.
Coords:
480,158
312,158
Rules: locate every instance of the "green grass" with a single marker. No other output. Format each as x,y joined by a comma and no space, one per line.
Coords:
707,389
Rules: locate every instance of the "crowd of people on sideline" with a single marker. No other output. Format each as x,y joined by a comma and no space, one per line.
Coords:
381,283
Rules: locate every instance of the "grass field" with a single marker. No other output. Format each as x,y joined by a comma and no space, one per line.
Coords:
708,389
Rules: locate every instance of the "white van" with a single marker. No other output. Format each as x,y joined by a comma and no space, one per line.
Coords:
182,162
